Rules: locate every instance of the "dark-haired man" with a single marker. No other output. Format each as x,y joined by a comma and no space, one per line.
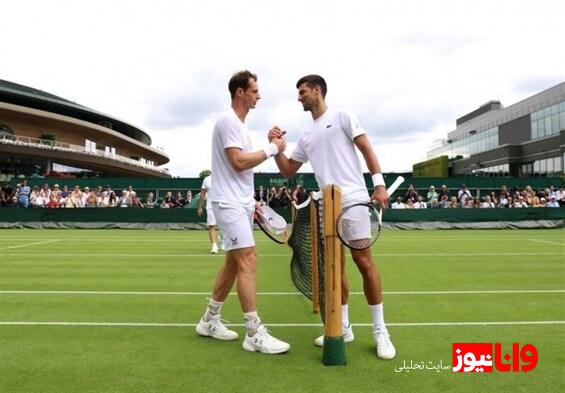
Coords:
329,144
233,160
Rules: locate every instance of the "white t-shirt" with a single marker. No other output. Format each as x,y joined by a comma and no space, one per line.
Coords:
328,145
230,186
207,185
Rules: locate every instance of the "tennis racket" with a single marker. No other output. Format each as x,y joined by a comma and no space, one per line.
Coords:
272,224
359,225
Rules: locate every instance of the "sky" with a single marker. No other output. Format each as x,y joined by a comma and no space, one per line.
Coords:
407,68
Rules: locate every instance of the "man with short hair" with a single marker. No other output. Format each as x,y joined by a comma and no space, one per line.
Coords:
329,144
233,160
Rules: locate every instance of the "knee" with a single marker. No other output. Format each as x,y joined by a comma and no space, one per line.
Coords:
248,264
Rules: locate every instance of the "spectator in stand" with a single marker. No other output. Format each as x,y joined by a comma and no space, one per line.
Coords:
493,198
503,193
398,204
7,194
125,200
444,201
432,195
542,202
463,194
274,201
299,195
552,201
520,202
510,200
57,191
411,194
470,203
561,196
284,197
150,200
99,193
261,196
409,204
45,193
91,200
23,192
84,196
35,199
168,200
453,204
443,191
488,203
53,202
188,198
112,199
271,195
74,200
135,201
179,200
64,196
420,204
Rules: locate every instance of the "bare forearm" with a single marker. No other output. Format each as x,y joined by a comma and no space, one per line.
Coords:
286,166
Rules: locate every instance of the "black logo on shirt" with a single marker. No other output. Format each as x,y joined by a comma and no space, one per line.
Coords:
328,126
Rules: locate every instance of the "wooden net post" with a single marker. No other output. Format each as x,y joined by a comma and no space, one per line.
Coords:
334,346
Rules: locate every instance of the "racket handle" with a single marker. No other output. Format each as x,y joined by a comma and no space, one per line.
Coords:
399,180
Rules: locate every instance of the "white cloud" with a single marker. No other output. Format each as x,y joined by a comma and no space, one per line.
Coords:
408,69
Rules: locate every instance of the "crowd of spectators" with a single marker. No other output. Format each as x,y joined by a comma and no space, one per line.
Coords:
63,197
276,197
463,198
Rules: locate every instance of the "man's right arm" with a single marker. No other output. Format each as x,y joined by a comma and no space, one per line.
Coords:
201,201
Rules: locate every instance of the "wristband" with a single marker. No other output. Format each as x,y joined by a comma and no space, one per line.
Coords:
271,150
378,180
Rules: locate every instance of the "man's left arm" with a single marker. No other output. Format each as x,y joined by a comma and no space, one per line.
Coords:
379,192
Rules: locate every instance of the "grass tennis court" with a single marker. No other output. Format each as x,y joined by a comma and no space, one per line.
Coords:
115,310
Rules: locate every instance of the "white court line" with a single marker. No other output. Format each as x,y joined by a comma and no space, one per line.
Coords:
546,241
261,255
160,293
160,324
30,244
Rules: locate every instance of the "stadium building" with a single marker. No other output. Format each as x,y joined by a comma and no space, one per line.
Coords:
45,135
524,139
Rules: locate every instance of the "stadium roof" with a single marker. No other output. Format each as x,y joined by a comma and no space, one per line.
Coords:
17,94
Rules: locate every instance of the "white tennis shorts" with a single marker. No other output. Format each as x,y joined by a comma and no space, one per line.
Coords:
356,224
210,217
236,222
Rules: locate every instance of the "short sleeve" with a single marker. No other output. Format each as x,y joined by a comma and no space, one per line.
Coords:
230,135
351,125
299,154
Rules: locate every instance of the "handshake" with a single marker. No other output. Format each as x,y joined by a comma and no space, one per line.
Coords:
277,143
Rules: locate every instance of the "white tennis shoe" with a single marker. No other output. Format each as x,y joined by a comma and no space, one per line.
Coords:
348,336
385,347
214,249
263,342
216,329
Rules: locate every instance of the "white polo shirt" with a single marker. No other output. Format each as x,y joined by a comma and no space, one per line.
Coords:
328,145
230,186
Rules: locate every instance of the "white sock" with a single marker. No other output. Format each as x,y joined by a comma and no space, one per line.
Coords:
377,313
213,309
345,315
252,322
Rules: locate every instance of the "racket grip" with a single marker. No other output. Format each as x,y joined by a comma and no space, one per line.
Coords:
399,180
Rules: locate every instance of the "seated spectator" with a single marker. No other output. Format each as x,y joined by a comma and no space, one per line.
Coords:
188,198
7,193
398,204
432,195
135,201
443,191
74,200
510,203
453,204
284,198
469,204
91,200
179,200
542,202
444,202
53,202
84,196
169,200
503,193
261,196
463,194
520,202
35,199
45,193
409,204
553,201
420,204
125,200
493,198
411,194
488,203
299,195
150,200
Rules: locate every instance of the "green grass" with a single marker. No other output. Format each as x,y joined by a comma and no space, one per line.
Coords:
420,269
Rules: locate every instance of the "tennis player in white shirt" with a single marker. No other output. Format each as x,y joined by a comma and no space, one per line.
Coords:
329,144
233,160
